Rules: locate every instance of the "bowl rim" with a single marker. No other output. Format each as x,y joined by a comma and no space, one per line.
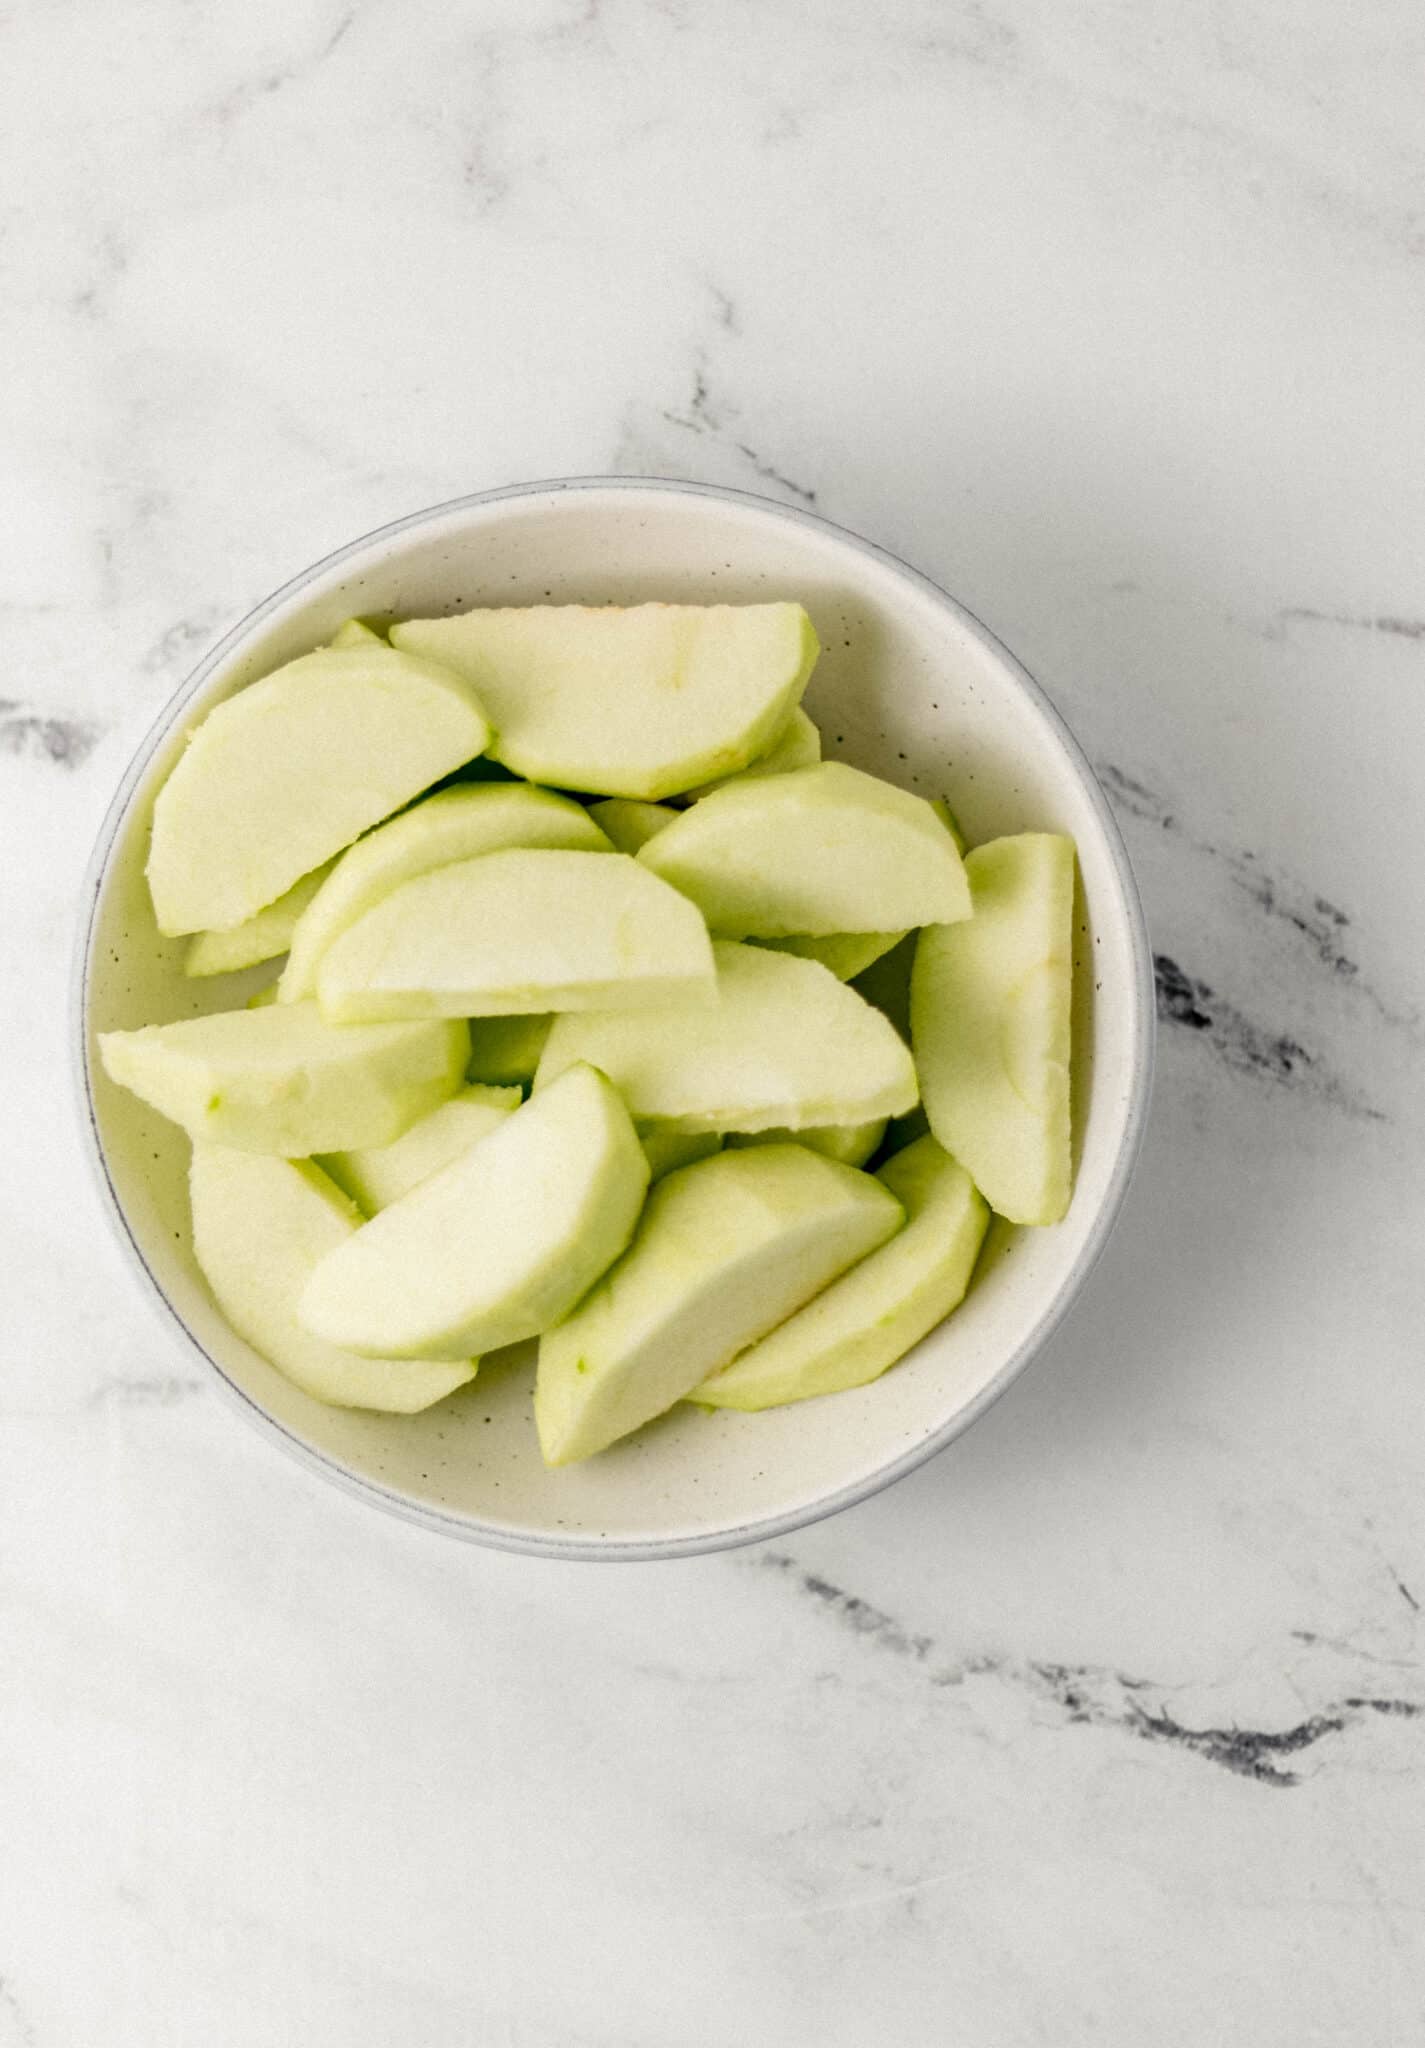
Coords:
1140,995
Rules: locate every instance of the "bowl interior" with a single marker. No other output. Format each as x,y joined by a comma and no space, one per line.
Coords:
906,687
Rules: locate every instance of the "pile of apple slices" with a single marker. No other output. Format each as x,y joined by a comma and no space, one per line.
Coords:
596,1071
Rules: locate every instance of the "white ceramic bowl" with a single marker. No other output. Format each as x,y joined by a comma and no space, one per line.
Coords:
910,686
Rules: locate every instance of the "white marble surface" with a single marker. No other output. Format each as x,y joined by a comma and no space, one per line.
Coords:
1109,1725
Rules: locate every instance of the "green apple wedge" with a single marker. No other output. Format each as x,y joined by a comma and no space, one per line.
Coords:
280,1079
989,1013
496,1246
261,1227
870,1317
786,1044
519,932
356,633
850,955
726,1250
951,823
667,1150
641,701
377,1175
506,1050
847,954
797,745
263,936
819,850
280,777
455,824
629,822
851,1144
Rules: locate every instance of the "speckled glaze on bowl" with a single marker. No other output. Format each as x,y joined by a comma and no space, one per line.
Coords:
910,686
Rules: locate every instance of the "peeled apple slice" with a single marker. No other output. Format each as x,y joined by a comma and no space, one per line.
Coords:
629,822
525,931
847,954
951,823
290,770
499,1244
819,850
667,1150
455,824
797,745
279,1079
989,1013
261,1226
377,1175
260,937
506,1049
356,633
785,1044
874,1314
726,1250
851,1144
643,701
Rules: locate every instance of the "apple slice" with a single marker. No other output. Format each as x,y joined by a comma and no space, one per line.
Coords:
517,932
643,701
727,1249
989,1013
667,1150
629,822
873,1315
377,1175
819,850
505,1050
289,771
847,954
260,937
951,823
356,633
850,954
499,1244
455,824
279,1079
786,1044
849,1144
797,745
261,1227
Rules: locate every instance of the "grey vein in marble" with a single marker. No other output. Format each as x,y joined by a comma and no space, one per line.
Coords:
976,38
249,91
1249,1047
111,262
160,1391
713,415
1389,623
1086,1695
854,1613
181,639
1313,917
16,2031
66,741
725,309
1187,1000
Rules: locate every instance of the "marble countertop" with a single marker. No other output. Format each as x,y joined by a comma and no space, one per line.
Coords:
1109,1725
